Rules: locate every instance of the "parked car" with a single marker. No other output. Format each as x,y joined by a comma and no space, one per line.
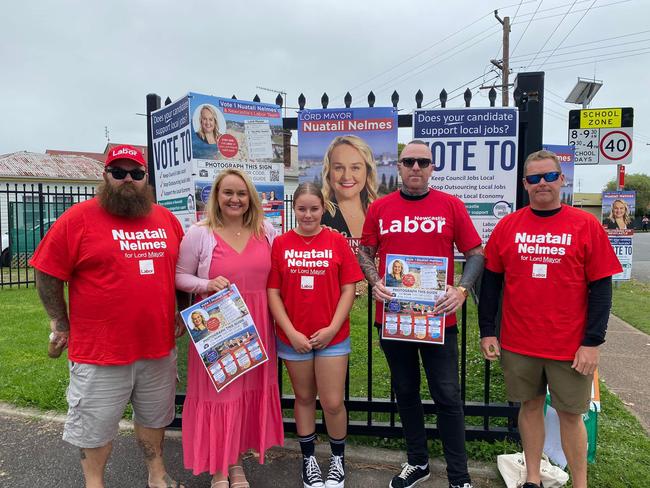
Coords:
5,256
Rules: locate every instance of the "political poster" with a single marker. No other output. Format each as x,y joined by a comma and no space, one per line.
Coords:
172,156
351,153
416,283
474,153
229,133
617,216
225,336
566,155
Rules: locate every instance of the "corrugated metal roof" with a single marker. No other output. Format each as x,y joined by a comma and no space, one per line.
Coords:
25,164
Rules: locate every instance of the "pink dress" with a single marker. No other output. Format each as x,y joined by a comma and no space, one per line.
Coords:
218,427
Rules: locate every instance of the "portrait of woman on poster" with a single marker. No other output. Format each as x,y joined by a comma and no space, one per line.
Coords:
619,216
209,130
349,184
394,278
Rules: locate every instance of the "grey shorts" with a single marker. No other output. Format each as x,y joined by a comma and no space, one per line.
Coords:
97,396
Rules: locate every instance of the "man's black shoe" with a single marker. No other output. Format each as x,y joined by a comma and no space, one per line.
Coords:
528,484
410,476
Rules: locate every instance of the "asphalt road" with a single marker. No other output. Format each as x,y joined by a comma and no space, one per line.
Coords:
641,258
32,454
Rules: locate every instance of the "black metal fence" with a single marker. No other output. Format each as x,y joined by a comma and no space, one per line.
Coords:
27,210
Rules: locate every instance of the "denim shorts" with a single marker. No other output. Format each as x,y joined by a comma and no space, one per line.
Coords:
288,353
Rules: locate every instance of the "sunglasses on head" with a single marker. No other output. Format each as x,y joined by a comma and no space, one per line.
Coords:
548,177
410,162
120,174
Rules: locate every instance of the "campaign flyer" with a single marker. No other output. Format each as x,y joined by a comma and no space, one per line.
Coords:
416,283
225,336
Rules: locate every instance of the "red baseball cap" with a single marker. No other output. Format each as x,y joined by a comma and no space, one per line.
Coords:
125,152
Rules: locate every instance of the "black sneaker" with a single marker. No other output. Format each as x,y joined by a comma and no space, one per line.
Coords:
528,484
410,476
464,485
336,475
311,475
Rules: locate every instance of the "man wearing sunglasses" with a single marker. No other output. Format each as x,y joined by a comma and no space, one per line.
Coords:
418,220
554,264
117,252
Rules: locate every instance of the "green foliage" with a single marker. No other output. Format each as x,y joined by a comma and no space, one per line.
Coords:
630,303
641,184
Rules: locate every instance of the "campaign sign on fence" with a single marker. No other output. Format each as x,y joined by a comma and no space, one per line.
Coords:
225,336
618,214
352,154
249,136
172,156
566,155
474,154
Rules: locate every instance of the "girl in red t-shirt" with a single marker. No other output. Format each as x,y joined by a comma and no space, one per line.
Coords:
311,291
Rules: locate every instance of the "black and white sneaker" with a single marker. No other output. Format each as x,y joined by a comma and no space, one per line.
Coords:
311,475
336,475
410,476
464,485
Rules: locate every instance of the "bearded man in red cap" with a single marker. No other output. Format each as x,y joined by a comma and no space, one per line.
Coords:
117,252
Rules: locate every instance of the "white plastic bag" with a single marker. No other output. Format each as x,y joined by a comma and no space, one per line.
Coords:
513,471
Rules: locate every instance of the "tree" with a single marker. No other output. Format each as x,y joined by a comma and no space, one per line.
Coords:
640,183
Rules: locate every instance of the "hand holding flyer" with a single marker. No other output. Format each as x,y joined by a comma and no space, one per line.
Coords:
416,283
225,336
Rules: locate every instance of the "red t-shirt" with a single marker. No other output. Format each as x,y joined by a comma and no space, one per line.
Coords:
310,277
120,274
426,227
548,263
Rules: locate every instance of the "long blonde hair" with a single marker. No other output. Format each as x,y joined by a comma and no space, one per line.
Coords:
253,217
626,216
215,132
369,192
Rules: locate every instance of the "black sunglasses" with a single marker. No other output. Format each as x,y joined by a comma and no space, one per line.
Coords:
120,174
410,162
548,177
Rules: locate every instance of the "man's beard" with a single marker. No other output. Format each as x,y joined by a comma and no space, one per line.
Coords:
126,200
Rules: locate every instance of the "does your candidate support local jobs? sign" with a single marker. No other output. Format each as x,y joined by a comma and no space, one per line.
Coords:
474,154
602,135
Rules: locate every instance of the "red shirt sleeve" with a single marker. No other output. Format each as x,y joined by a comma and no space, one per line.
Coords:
57,253
370,231
492,258
275,275
465,235
600,259
350,272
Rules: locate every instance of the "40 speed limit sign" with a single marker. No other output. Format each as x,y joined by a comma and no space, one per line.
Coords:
602,135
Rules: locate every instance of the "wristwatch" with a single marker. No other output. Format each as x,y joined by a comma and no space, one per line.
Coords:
463,290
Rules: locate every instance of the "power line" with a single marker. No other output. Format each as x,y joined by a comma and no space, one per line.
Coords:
463,85
557,26
435,44
404,76
581,10
595,57
568,34
586,43
597,60
527,25
463,93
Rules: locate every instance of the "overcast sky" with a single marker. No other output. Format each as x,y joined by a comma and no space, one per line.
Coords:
71,68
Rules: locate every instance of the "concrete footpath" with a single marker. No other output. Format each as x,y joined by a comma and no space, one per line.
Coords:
625,367
32,454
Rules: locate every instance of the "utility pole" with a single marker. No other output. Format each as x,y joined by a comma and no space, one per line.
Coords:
504,64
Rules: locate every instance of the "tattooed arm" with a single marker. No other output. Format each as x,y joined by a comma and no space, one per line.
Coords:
50,291
366,258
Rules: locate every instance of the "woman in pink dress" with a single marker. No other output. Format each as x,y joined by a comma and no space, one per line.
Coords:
232,245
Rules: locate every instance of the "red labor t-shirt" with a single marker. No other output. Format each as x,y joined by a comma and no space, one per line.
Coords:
120,274
548,263
426,227
309,272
